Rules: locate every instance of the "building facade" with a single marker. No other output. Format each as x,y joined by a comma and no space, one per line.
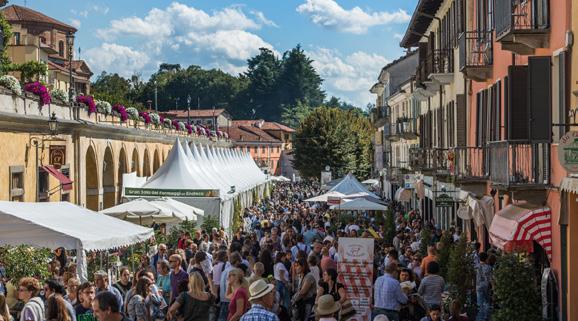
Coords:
205,117
496,89
37,37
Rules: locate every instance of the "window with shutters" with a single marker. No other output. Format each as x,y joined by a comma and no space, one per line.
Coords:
518,114
540,98
461,120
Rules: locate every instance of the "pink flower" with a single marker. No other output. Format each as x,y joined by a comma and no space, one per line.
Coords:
121,110
145,116
189,128
88,101
175,124
40,90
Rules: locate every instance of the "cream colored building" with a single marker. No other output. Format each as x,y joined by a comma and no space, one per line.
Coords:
405,110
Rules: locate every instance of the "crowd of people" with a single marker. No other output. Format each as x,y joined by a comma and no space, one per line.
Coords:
281,264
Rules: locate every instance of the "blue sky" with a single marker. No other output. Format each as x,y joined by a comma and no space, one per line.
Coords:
349,40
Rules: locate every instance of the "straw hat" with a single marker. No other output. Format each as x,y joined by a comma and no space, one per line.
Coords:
259,289
326,305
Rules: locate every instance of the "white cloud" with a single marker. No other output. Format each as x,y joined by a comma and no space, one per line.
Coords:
348,77
264,20
330,14
100,9
221,39
117,58
398,36
83,13
75,23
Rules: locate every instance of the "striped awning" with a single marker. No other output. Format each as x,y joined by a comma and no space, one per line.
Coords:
515,227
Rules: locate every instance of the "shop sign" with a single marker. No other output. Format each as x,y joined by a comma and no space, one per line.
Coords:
409,181
333,200
444,200
568,152
57,156
325,177
156,192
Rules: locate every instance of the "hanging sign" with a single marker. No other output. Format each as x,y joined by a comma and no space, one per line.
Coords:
355,272
568,152
156,192
57,155
444,200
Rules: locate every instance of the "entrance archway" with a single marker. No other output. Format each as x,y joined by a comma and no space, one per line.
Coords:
156,161
135,164
122,169
146,164
108,186
91,179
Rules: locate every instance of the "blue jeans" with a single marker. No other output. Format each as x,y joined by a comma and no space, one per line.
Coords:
223,311
283,295
392,315
483,300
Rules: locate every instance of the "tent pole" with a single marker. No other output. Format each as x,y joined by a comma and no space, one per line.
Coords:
131,255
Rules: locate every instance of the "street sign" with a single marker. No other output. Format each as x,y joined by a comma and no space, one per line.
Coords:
157,192
57,155
444,200
568,152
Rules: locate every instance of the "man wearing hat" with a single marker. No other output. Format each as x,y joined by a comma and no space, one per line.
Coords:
327,308
262,300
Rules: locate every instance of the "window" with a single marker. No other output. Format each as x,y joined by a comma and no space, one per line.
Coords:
61,48
17,183
42,185
17,38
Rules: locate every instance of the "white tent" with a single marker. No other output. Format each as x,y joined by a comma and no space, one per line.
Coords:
324,197
361,204
162,210
350,185
64,224
280,179
208,178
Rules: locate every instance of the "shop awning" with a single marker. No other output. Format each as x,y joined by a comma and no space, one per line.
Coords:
65,182
517,226
569,184
403,194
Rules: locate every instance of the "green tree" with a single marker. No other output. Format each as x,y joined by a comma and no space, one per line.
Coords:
293,115
210,222
389,231
334,137
460,272
23,261
426,239
444,252
516,291
6,36
112,88
263,72
299,81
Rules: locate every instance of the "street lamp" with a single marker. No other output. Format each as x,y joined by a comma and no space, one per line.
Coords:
53,124
189,109
156,106
70,44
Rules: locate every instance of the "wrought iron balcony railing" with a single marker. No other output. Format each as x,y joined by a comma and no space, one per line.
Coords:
470,163
519,163
476,49
521,16
429,159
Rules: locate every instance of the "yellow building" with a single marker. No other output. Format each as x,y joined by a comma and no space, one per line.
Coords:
83,161
37,37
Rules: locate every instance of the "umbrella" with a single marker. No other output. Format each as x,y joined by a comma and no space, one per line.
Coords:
371,181
162,210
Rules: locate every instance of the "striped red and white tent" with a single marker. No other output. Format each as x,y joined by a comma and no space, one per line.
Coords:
515,227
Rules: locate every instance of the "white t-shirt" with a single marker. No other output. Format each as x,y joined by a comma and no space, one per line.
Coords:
278,269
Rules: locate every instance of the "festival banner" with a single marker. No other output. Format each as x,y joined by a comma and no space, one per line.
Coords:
355,268
157,192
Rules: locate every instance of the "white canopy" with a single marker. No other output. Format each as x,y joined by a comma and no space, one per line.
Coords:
361,204
371,181
64,224
350,185
280,179
324,197
162,210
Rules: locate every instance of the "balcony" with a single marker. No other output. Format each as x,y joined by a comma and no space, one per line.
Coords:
406,128
523,25
429,160
470,164
476,54
519,164
440,66
380,116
